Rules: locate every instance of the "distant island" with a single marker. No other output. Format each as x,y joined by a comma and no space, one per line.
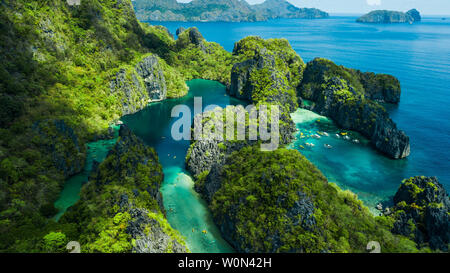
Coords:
221,10
389,17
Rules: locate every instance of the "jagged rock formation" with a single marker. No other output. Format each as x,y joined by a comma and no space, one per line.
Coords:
379,87
389,17
123,194
221,10
340,94
63,144
269,71
139,86
210,153
150,233
190,36
421,212
180,30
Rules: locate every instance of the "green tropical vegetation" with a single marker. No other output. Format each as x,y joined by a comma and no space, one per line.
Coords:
57,62
259,189
57,65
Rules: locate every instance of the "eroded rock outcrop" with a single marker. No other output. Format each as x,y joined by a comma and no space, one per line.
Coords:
190,36
149,233
421,212
139,86
338,94
269,72
63,145
210,153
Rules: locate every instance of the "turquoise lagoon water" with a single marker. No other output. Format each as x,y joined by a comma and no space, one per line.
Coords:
418,54
186,211
71,192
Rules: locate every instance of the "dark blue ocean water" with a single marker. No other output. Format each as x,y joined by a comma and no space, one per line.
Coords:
419,55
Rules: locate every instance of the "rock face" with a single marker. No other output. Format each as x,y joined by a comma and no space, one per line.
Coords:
221,10
139,86
421,210
155,84
389,17
180,30
269,72
300,214
343,98
148,233
243,85
191,36
210,154
380,87
62,143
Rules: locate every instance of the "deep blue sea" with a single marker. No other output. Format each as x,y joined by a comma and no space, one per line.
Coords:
418,54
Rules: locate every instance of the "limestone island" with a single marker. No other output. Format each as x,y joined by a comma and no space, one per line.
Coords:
390,17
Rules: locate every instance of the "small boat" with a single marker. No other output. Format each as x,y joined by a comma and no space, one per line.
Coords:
301,146
310,144
328,146
379,206
204,231
344,134
326,134
346,137
193,230
316,136
338,136
174,157
356,141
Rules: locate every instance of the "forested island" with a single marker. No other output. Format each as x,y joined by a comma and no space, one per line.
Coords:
390,17
221,10
70,72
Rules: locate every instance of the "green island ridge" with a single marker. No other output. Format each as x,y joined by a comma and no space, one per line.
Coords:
221,10
70,72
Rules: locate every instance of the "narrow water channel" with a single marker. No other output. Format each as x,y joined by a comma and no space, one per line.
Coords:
186,210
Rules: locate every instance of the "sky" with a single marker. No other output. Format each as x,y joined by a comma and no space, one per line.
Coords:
426,7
